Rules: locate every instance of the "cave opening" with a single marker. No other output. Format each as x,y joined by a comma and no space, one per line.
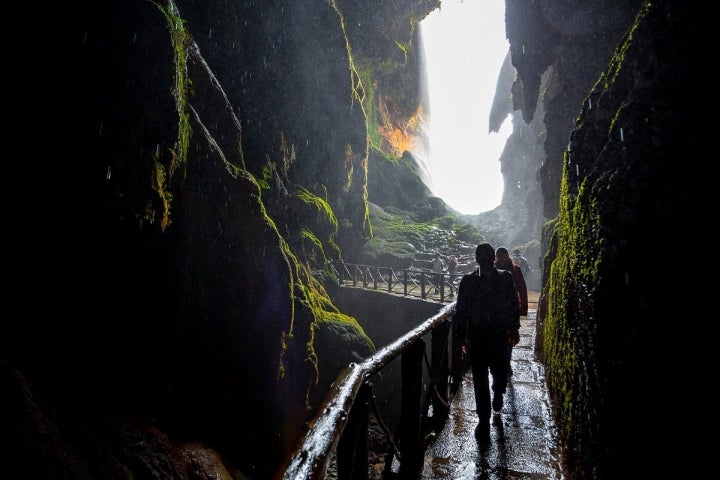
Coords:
464,47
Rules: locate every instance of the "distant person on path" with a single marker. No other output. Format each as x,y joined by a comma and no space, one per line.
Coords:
488,317
504,262
518,258
437,266
452,270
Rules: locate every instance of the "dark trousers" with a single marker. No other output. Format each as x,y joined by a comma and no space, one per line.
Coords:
484,358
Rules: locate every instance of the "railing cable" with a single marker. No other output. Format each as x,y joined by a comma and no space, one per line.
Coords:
433,382
382,424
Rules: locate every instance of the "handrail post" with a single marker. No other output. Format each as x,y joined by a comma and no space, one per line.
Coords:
352,449
411,447
423,295
440,371
390,280
405,282
459,359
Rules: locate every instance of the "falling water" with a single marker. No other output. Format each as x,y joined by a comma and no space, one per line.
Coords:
465,46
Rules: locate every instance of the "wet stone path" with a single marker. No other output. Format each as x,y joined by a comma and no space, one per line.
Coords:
522,436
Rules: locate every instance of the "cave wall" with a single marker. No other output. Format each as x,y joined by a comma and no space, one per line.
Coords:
573,43
608,279
216,293
557,50
219,163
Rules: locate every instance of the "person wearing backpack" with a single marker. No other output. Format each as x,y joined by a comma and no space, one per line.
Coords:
488,318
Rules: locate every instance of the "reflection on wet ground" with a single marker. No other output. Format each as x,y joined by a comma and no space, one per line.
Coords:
522,436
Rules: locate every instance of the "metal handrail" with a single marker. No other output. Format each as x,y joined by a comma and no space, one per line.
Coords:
407,282
346,404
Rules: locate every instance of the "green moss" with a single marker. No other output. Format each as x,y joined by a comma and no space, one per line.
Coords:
360,97
574,372
559,334
394,228
321,204
403,49
369,101
302,286
164,195
610,74
163,174
313,295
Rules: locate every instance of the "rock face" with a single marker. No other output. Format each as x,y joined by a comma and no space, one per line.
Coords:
621,192
606,275
177,320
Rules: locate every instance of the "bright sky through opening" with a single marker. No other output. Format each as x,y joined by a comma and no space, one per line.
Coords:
465,46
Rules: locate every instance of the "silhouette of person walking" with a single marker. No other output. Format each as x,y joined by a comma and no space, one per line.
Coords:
488,317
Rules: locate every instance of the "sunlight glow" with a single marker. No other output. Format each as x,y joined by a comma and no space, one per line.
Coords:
465,45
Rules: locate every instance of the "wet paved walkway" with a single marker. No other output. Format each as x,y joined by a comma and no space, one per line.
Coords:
522,436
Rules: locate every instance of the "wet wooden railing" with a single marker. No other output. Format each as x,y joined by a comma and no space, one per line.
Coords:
341,425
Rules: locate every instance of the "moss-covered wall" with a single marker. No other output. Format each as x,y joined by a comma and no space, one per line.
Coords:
612,277
230,144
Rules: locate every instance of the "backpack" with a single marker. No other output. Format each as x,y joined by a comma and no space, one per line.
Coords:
481,310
